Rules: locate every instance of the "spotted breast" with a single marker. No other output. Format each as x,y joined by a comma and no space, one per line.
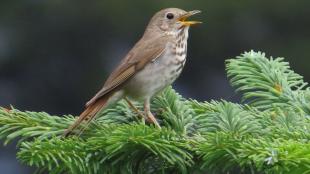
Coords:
164,70
180,50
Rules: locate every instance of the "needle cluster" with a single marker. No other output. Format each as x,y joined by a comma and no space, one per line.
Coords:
268,132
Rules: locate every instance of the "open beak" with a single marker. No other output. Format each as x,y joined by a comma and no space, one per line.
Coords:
183,18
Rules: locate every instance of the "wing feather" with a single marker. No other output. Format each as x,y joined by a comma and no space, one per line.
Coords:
146,50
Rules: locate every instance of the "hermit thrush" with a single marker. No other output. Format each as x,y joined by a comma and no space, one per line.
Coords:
155,62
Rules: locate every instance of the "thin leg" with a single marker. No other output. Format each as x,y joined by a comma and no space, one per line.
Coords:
134,108
149,114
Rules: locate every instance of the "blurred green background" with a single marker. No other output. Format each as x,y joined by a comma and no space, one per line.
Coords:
56,54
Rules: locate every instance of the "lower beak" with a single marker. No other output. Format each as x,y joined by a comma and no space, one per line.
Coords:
183,18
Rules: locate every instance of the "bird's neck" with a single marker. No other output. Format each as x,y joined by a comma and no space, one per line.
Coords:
181,33
180,45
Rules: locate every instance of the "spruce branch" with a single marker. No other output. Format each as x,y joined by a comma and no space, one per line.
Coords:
125,148
175,111
270,134
227,117
25,125
255,154
267,83
56,155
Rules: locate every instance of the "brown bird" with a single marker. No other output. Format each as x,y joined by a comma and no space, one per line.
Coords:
154,63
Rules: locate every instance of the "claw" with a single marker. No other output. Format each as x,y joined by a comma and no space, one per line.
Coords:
153,120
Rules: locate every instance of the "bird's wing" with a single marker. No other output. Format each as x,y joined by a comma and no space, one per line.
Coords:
143,52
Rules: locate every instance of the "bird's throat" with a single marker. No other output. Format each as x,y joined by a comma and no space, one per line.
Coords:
181,42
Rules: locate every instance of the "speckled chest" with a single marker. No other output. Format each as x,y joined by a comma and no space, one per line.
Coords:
174,58
162,71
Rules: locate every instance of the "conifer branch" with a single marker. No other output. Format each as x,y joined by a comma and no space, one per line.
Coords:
268,133
267,83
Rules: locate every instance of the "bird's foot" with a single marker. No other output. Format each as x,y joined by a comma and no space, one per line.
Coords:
136,110
148,117
152,119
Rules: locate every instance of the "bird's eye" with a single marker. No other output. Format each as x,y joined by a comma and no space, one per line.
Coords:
170,16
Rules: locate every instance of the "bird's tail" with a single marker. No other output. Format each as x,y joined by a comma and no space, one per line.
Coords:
88,114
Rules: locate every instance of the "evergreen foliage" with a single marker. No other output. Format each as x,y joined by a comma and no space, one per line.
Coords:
268,133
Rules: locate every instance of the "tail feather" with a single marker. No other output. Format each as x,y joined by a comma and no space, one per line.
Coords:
88,114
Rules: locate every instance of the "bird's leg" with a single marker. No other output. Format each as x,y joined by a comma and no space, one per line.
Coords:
148,113
134,108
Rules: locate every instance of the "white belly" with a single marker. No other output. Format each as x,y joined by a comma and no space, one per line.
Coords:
155,76
160,73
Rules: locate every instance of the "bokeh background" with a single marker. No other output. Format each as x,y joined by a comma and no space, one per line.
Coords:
55,54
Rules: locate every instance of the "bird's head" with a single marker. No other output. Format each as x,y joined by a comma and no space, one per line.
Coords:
172,20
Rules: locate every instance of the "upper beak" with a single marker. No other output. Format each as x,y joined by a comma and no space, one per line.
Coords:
183,18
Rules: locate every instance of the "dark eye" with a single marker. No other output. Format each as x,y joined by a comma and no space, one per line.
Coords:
170,16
